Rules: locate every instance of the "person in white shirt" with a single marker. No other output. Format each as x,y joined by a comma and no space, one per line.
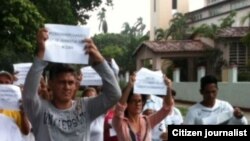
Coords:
211,110
175,118
97,125
153,104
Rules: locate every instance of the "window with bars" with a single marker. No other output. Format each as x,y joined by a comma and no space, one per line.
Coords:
239,54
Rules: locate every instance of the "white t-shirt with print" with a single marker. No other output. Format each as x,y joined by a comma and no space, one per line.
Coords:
220,113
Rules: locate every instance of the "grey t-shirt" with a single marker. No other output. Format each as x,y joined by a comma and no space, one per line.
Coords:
72,124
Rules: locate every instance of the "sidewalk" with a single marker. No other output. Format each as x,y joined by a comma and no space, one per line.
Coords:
187,104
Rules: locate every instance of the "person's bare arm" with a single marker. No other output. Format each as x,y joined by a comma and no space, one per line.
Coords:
25,125
167,106
125,93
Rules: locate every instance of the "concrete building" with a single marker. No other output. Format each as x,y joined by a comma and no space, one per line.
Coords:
228,40
214,12
204,12
161,12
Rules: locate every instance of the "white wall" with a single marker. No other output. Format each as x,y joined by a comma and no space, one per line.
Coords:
196,4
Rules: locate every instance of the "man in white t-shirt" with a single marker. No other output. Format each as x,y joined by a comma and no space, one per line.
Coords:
175,118
212,110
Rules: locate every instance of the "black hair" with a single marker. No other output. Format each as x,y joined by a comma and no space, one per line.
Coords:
88,89
173,92
58,68
131,93
208,79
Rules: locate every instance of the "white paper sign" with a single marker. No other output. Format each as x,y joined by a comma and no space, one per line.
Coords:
65,44
22,70
149,82
9,97
90,77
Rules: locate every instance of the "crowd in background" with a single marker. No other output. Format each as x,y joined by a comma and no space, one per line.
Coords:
51,110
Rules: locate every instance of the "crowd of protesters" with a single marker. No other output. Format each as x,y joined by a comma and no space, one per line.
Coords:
51,110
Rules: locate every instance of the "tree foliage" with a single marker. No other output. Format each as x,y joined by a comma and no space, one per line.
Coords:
228,21
103,25
161,34
178,26
214,56
246,39
136,30
121,46
177,29
21,19
112,46
19,23
68,11
56,11
211,30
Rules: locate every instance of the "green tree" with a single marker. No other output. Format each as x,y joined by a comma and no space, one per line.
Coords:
56,11
245,18
102,21
178,27
139,26
211,30
228,21
214,56
112,51
120,47
136,30
246,39
68,11
126,28
161,34
113,46
176,31
206,30
19,23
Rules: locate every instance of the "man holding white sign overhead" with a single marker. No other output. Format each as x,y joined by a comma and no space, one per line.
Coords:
63,118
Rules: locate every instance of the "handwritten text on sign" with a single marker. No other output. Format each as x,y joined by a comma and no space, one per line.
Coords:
90,77
21,70
149,82
9,97
65,44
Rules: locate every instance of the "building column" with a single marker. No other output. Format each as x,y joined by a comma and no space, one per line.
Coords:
176,75
201,72
233,74
156,63
190,69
